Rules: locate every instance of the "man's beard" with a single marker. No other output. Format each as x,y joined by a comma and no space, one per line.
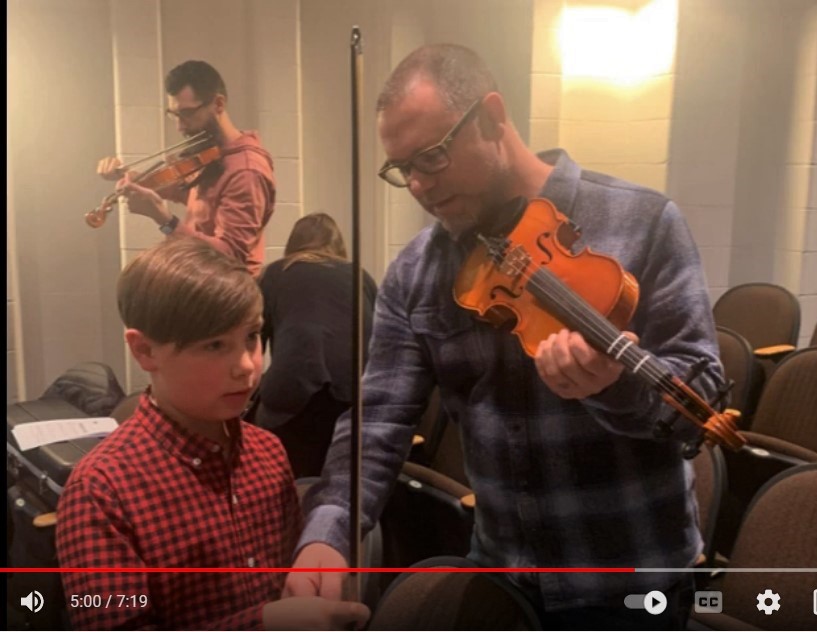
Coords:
213,130
460,224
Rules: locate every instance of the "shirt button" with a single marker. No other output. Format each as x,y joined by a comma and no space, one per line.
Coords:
196,462
251,562
235,499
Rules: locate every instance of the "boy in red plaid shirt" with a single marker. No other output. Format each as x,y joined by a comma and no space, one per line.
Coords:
184,483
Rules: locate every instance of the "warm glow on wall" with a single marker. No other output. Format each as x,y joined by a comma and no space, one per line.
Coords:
616,44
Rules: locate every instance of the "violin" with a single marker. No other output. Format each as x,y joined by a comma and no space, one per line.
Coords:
530,275
197,152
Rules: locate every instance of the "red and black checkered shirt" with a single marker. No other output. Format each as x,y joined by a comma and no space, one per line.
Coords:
153,495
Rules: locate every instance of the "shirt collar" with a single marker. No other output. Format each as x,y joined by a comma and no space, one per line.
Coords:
563,183
189,448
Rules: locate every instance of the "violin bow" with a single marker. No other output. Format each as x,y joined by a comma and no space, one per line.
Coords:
352,583
187,143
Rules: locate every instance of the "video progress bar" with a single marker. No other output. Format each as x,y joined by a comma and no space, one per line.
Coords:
720,569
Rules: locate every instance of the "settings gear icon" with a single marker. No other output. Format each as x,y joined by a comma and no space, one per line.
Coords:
763,600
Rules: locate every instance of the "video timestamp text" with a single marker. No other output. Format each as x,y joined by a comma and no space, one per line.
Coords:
108,601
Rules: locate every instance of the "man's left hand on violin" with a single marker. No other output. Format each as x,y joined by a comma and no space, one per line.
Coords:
572,369
144,201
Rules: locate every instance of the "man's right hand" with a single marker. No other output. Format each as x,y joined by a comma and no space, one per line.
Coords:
110,168
320,584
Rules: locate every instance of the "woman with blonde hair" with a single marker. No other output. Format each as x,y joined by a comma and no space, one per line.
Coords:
308,325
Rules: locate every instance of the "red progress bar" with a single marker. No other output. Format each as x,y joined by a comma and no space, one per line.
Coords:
318,570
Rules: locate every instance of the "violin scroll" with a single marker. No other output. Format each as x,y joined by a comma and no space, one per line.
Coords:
722,429
97,217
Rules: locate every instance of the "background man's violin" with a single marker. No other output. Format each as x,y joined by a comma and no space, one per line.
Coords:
530,275
196,153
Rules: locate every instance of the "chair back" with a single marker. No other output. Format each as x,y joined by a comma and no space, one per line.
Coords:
741,366
425,517
788,406
710,485
452,601
441,447
764,313
778,531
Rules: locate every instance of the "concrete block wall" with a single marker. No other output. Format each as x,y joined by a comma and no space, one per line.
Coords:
798,244
260,66
728,133
501,32
611,126
705,133
275,45
60,121
139,110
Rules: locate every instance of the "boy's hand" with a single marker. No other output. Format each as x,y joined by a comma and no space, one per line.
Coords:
328,585
314,613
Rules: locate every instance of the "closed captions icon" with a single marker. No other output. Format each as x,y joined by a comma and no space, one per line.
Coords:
33,601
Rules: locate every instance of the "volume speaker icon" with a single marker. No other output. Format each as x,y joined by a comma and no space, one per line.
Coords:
33,601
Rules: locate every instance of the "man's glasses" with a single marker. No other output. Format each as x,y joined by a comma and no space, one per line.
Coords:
185,113
430,160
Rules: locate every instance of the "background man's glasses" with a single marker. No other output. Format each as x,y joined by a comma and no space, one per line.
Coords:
430,160
185,113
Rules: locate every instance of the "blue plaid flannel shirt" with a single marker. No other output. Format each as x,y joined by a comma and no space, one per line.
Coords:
558,483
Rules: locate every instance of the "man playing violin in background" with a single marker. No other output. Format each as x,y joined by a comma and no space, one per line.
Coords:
231,200
559,449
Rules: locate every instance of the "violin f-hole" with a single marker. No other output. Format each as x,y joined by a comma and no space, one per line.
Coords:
501,289
541,243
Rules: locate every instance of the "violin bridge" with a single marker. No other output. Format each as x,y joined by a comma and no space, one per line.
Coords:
515,261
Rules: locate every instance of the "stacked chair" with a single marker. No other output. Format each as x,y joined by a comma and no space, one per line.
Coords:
778,532
783,434
431,510
710,489
744,370
766,314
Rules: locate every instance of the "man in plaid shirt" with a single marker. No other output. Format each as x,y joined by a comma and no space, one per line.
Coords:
559,449
185,483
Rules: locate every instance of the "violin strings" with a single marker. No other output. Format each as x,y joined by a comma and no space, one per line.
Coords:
631,355
641,362
583,314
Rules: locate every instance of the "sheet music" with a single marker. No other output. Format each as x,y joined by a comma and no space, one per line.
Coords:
38,433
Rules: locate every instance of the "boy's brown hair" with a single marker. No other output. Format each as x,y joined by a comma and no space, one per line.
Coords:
184,290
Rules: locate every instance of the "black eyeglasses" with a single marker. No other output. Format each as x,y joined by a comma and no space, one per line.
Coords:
184,113
430,160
